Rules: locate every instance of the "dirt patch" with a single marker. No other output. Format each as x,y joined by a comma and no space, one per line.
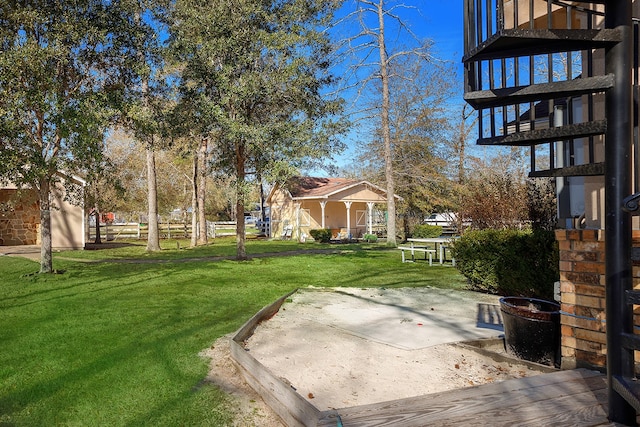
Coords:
247,406
355,347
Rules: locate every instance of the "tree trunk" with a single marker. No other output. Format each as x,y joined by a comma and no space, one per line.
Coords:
386,130
263,215
405,225
46,258
96,213
463,131
241,253
264,229
202,190
153,238
461,154
194,202
463,134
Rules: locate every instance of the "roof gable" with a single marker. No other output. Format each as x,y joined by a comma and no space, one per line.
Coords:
310,187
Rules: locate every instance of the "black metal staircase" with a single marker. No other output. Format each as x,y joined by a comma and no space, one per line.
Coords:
522,53
555,76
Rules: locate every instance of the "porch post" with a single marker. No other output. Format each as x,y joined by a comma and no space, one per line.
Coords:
348,205
322,206
370,206
297,227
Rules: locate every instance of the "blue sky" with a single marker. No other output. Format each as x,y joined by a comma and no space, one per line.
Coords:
441,21
438,20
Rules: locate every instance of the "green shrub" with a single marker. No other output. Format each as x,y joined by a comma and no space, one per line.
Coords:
424,231
509,262
371,238
322,235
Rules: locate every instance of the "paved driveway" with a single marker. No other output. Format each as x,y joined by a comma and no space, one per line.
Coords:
26,251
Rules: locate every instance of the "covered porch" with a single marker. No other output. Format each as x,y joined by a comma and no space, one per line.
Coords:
349,208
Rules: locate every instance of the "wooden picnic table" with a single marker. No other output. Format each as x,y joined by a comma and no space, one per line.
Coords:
413,249
440,244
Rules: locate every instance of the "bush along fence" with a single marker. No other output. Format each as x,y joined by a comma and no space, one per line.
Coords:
425,231
169,230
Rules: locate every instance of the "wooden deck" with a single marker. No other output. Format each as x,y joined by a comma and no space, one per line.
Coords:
565,398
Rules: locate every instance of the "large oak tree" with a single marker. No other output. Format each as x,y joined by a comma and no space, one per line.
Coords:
256,69
62,64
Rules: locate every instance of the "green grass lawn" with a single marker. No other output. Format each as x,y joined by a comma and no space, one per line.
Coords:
115,343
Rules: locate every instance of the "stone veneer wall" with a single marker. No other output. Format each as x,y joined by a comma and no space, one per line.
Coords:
19,219
582,290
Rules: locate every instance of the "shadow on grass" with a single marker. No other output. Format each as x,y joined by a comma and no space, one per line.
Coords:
87,286
69,339
107,245
144,345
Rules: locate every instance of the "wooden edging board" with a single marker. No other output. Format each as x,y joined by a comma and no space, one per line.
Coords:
295,410
292,408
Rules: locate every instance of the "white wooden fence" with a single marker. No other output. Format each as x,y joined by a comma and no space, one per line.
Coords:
134,230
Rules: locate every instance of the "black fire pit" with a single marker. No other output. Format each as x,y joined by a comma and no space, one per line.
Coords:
532,329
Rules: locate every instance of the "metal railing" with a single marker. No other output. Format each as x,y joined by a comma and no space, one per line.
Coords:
493,26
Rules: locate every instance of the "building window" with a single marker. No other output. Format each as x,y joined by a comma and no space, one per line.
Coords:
305,217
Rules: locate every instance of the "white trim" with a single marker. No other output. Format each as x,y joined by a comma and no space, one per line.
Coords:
347,204
323,204
370,206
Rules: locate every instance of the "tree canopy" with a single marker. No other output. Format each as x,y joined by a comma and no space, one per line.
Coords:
371,54
254,81
62,67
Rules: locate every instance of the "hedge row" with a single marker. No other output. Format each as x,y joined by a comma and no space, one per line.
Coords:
425,231
509,262
322,235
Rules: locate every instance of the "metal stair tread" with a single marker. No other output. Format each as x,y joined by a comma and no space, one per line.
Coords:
537,92
589,169
540,136
526,42
630,341
633,295
628,388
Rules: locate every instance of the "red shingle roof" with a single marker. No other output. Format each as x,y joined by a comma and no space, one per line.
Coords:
317,187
